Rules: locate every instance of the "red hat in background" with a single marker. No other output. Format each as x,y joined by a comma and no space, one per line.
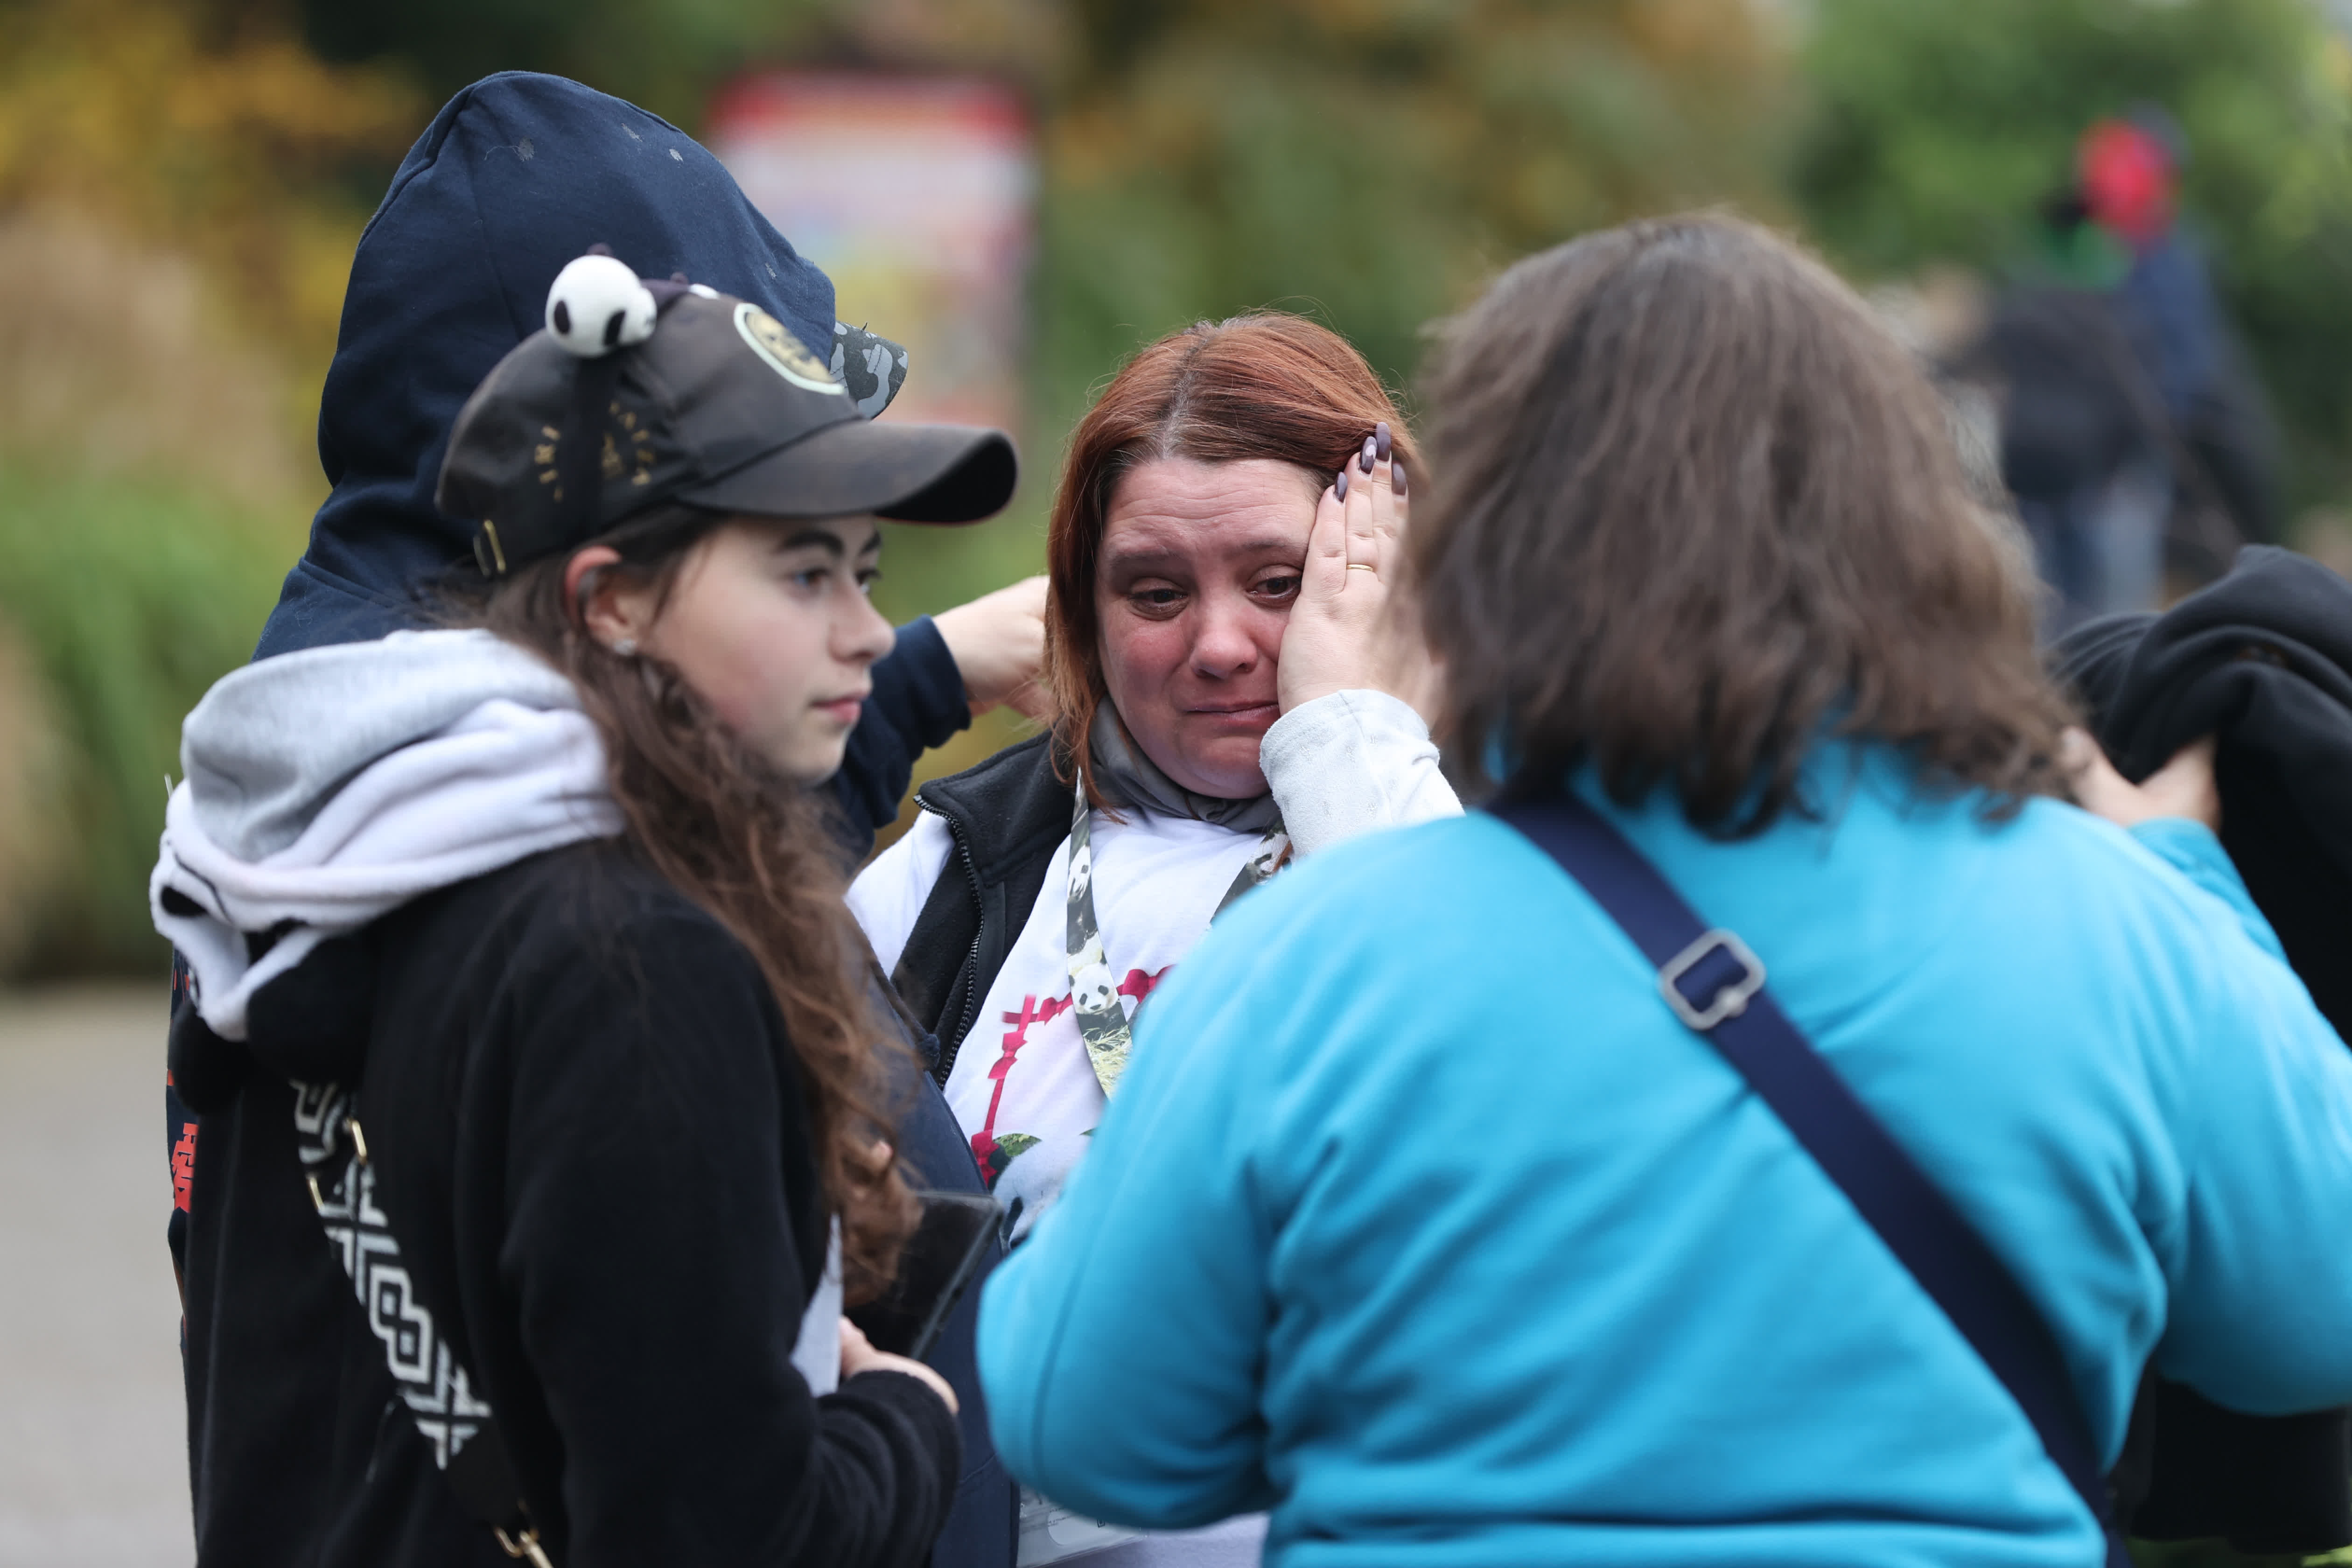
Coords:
2129,176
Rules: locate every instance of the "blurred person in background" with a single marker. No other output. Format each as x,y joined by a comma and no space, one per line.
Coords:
1225,680
1452,1216
2129,175
2132,437
517,175
536,924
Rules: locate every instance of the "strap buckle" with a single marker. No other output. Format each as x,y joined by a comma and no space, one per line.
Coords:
1730,997
526,1545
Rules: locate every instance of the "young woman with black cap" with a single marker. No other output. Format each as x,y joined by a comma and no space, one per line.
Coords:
451,274
538,916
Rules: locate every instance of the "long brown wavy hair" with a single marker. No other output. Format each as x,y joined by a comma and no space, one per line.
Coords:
1259,385
751,848
1696,509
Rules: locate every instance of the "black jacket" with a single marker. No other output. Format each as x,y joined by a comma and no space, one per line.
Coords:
587,1131
245,1155
1007,817
2261,660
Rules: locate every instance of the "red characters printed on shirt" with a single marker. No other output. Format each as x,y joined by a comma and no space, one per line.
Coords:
183,1165
995,1151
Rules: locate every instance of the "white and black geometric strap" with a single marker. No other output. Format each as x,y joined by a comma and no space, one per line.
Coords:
455,1420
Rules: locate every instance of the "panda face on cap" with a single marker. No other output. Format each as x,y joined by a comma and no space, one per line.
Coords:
597,306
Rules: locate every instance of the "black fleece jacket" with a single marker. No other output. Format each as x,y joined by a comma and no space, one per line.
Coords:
587,1129
1007,817
2263,661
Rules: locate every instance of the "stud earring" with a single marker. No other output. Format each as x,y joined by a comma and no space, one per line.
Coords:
624,648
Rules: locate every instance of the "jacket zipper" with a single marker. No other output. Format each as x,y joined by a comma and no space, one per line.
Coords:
949,1048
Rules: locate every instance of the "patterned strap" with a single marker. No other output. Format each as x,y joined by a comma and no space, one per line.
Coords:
1103,1024
454,1420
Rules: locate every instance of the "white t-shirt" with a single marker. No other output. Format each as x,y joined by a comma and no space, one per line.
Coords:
1023,1087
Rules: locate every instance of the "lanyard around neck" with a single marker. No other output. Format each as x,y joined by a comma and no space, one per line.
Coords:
1103,1024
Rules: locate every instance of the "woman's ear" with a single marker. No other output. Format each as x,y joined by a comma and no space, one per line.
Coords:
605,609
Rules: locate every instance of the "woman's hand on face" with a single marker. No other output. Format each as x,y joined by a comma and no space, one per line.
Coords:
998,642
1346,629
2182,787
858,1354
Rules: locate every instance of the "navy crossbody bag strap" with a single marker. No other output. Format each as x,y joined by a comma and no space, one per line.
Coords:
1714,984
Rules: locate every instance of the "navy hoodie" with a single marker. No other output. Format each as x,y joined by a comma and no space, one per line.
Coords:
518,174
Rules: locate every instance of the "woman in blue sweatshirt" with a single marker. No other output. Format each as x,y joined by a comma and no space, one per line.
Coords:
1426,1225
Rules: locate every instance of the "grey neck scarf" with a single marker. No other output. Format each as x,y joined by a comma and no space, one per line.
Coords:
1128,777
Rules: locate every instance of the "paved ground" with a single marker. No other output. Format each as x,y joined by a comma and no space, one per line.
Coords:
93,1452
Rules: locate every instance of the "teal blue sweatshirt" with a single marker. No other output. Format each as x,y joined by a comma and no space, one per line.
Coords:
1419,1221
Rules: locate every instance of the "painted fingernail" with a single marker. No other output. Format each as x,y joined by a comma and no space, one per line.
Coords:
1381,440
1341,485
1396,474
1366,459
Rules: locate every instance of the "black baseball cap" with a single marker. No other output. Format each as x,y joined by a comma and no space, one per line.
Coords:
678,392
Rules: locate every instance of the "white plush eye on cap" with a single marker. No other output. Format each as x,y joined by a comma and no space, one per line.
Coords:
597,305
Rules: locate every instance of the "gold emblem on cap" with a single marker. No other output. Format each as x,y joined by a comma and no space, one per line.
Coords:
641,450
786,354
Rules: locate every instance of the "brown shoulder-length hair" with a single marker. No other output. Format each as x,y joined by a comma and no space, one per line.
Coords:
751,848
1259,385
1695,509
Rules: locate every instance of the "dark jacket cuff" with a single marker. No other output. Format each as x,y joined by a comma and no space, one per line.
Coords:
918,702
926,1438
917,1402
920,689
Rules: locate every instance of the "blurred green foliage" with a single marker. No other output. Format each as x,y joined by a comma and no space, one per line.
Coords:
181,187
1932,132
1371,163
222,138
131,596
663,55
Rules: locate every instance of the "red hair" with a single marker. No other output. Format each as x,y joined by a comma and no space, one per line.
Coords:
1263,385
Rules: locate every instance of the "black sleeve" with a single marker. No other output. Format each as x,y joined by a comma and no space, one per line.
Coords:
918,702
659,1208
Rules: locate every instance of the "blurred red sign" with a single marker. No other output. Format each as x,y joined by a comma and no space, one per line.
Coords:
914,194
